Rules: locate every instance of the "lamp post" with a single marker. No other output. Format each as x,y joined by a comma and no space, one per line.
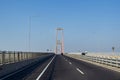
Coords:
29,37
113,48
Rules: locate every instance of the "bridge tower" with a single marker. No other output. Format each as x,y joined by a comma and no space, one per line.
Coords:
59,41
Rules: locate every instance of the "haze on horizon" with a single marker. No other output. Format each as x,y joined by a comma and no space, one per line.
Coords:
89,25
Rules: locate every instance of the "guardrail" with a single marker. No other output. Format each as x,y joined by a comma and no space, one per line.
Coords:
109,60
7,57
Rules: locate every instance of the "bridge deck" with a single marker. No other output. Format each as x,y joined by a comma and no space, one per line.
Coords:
64,68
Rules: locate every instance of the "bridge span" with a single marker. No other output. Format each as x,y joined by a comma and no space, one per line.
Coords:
52,66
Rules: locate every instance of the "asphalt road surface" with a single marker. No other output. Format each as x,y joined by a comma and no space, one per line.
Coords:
67,68
59,67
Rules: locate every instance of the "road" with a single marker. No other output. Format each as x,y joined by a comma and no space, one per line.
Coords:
59,67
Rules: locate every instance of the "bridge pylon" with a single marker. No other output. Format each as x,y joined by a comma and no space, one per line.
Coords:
60,41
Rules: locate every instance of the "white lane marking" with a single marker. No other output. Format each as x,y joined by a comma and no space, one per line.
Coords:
45,68
70,63
79,71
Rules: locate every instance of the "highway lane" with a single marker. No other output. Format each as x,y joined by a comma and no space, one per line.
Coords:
41,72
93,72
29,72
66,68
60,67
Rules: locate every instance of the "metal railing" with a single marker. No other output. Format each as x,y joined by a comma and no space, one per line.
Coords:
7,57
109,60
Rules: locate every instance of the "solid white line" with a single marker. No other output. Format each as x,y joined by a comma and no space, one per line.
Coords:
45,69
70,63
79,71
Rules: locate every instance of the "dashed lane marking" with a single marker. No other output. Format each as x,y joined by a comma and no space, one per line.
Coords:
70,63
79,71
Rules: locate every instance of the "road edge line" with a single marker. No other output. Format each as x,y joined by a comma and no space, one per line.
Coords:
40,75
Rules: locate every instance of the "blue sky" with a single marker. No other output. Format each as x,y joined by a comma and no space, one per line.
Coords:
92,25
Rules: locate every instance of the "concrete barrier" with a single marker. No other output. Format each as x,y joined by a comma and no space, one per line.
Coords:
8,57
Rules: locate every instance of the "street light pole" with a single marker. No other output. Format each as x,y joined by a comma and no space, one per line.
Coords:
29,39
29,42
